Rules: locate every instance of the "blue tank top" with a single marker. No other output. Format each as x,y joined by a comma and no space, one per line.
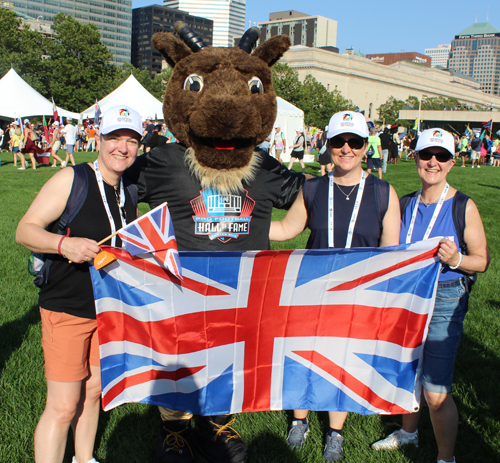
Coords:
368,229
444,226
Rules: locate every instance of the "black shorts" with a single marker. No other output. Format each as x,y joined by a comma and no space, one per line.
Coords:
325,158
373,162
297,154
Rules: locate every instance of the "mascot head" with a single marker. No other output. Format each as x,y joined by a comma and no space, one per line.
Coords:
220,102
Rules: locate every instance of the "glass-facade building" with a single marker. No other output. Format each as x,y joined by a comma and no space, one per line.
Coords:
476,53
113,18
148,20
228,17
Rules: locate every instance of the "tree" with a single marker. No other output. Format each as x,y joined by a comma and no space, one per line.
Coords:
286,83
79,65
388,112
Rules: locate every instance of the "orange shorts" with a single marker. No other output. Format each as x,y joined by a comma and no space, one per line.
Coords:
70,345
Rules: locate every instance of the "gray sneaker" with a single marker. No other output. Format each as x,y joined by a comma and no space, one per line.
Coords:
395,440
333,448
297,435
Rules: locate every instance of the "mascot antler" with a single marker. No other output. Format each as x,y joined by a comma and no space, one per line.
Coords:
220,102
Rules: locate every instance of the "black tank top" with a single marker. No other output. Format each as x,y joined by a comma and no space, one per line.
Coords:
69,288
368,229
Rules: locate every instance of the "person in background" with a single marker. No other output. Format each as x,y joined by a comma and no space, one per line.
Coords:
429,213
385,141
475,153
66,300
91,134
148,133
279,143
298,150
374,160
69,132
495,152
56,145
17,143
357,221
324,156
464,149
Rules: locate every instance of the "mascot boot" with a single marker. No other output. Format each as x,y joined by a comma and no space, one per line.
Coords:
174,442
217,441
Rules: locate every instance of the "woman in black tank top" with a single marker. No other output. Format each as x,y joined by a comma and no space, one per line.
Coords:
66,301
376,222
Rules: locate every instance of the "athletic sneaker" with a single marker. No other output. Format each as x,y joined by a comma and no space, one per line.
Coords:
478,167
473,167
90,461
21,168
297,435
333,447
396,439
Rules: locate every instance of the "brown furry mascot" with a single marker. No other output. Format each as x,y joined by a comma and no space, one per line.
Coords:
220,104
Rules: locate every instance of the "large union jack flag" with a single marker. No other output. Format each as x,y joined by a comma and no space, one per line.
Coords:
153,232
269,330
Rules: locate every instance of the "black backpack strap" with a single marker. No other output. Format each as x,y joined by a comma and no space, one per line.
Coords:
382,192
132,190
405,200
76,198
309,190
459,207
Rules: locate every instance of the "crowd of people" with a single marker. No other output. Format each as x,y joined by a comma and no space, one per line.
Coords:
373,218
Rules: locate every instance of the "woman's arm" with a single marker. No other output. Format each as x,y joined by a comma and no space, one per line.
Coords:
293,224
47,207
392,221
477,258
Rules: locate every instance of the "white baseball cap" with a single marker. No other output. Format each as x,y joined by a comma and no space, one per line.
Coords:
121,117
26,121
56,123
299,129
436,137
347,122
277,126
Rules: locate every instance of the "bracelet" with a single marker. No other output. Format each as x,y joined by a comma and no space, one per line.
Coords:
459,262
59,246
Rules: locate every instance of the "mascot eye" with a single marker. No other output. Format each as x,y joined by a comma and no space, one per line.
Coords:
193,83
255,86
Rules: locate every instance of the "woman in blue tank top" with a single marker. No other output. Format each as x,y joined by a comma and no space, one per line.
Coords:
429,213
347,208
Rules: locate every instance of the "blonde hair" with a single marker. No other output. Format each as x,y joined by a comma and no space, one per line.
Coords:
18,131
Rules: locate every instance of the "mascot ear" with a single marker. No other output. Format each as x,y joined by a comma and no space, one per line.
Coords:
172,48
272,49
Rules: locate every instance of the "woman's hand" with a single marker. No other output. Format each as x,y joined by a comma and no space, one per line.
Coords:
448,253
79,250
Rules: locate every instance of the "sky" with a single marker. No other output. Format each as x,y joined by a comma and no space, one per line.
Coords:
392,28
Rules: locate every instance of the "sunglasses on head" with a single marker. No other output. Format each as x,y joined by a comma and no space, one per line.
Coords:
355,143
426,155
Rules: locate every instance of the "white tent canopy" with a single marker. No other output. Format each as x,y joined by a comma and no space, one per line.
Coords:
19,99
289,117
133,94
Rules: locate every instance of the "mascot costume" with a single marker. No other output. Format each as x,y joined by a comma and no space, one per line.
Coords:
220,104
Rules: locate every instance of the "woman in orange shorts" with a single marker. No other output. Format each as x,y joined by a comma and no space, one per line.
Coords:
69,329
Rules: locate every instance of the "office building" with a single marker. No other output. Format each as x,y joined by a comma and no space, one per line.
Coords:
476,52
439,56
112,18
156,18
391,58
228,17
303,29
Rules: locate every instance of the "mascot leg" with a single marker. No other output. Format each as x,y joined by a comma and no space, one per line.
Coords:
217,441
175,435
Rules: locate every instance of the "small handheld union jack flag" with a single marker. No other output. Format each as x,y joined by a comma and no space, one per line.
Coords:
153,232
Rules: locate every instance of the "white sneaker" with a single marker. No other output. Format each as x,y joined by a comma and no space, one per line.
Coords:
90,461
21,168
478,167
395,440
442,461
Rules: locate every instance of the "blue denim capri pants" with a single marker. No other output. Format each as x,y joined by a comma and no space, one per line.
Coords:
445,331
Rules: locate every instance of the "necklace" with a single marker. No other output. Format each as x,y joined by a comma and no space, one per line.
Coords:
428,204
346,195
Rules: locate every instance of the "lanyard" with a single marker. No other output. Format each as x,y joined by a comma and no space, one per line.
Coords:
354,215
100,182
439,205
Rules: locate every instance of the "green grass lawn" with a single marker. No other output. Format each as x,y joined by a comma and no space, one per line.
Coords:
127,433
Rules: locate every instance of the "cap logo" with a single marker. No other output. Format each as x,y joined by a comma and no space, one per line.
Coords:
347,117
124,112
437,133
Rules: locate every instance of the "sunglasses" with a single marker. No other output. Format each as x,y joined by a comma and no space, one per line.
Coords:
355,143
426,155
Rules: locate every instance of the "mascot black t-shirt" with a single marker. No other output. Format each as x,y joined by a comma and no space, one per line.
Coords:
204,219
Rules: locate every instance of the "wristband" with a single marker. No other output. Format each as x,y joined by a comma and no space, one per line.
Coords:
459,262
61,241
